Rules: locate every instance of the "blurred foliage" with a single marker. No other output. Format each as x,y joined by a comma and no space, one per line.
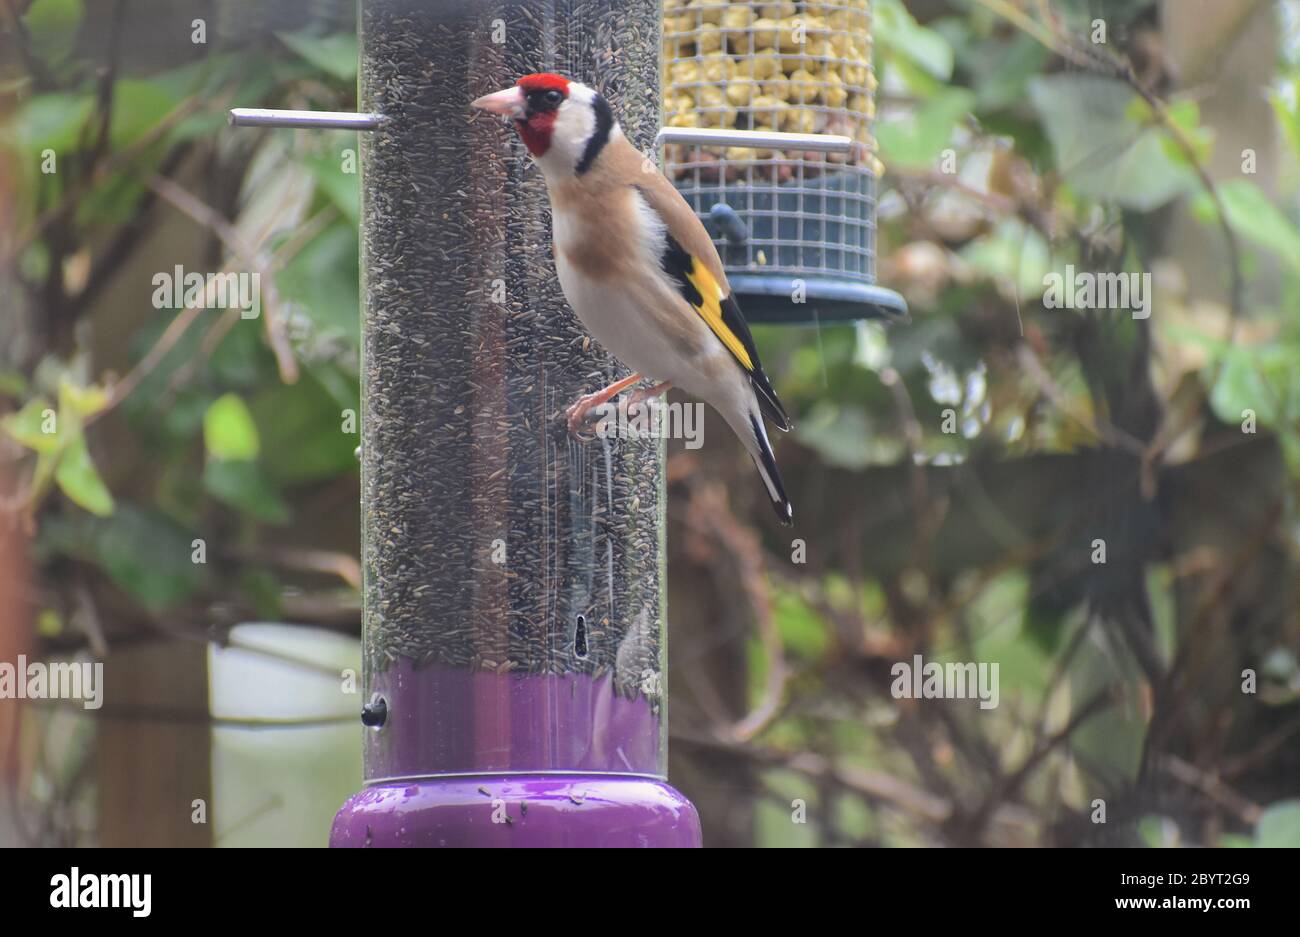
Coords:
206,391
1016,147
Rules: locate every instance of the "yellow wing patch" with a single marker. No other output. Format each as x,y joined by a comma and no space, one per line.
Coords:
710,310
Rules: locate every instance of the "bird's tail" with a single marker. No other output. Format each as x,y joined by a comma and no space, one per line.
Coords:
761,452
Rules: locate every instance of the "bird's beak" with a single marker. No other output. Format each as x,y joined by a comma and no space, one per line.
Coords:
508,103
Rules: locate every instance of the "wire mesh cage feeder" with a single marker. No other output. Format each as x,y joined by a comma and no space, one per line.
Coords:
794,223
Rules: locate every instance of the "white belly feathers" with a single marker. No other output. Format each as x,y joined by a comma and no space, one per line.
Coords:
625,314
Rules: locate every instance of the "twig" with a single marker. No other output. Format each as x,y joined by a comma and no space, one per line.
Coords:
247,254
343,565
712,517
165,343
1213,787
195,717
178,326
1099,428
1010,785
1265,749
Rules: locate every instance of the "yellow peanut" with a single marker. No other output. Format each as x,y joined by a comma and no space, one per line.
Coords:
741,91
799,120
765,64
765,32
683,72
778,87
738,17
708,38
833,92
718,67
804,87
714,110
766,111
705,11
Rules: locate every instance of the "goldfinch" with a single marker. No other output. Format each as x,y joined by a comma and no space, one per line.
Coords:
639,268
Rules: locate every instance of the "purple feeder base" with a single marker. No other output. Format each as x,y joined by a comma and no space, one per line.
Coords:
519,811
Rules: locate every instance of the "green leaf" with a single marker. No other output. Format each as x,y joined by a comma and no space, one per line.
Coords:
1260,378
1234,841
42,476
115,201
1286,105
12,383
342,188
229,432
28,426
901,35
139,106
1013,252
1101,145
242,485
335,55
997,622
303,426
263,591
49,624
1158,832
147,555
77,477
1279,826
1004,69
81,401
1239,388
845,437
242,360
52,25
917,139
1186,116
1257,219
802,629
182,419
324,278
50,121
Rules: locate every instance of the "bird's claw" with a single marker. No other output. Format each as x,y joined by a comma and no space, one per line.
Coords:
579,416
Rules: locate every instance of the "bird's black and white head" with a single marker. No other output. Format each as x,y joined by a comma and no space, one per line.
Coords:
563,123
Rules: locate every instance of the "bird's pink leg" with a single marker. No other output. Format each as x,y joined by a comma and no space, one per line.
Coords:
578,412
641,396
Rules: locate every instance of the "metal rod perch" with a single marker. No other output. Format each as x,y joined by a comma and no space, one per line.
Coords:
316,120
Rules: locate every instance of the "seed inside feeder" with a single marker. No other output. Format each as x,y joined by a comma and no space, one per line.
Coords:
465,448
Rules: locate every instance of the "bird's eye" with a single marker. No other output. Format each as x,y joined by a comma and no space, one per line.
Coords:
554,97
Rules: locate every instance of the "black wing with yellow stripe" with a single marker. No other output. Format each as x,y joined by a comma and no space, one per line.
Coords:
722,315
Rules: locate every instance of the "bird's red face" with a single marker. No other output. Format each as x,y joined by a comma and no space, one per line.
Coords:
533,106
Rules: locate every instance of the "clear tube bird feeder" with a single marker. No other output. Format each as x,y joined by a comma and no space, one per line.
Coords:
795,226
513,596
